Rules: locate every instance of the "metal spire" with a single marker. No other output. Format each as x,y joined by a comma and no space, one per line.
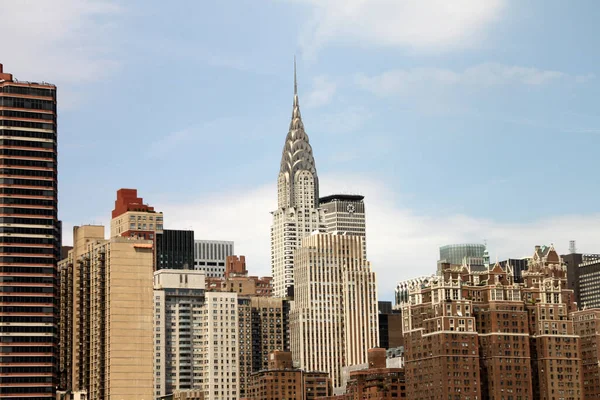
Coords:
295,81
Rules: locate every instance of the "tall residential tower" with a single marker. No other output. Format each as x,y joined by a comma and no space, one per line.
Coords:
298,212
29,239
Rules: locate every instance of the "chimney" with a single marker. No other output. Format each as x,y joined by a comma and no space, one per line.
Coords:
1,68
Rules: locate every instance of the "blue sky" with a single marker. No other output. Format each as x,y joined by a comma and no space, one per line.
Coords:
459,122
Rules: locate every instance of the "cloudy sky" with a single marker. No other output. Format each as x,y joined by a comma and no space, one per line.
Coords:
459,121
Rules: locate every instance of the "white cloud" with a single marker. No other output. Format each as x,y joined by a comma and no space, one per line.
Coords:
60,41
481,75
401,244
322,92
423,24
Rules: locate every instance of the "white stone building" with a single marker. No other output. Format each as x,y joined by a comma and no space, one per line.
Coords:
334,319
220,350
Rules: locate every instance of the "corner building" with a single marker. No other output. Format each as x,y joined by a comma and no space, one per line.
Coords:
29,239
297,214
333,321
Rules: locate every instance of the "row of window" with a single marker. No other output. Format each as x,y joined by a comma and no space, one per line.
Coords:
27,134
25,114
29,91
27,202
34,104
27,124
26,163
27,143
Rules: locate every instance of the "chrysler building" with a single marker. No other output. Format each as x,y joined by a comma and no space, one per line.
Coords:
298,213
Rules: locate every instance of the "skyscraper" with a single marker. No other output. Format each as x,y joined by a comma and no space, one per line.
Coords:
334,318
29,238
297,213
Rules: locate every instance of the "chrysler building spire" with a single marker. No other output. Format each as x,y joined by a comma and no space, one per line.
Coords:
297,214
296,158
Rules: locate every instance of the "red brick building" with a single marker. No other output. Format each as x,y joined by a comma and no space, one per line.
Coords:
376,382
283,381
587,326
479,335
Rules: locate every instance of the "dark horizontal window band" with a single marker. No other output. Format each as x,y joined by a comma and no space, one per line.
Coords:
27,153
28,300
27,192
28,221
27,134
27,339
28,163
28,202
27,182
11,269
28,143
29,91
5,240
27,329
27,114
30,211
26,260
27,124
29,104
27,279
16,171
28,250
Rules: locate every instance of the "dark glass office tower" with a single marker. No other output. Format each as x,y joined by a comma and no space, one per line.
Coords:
174,249
28,239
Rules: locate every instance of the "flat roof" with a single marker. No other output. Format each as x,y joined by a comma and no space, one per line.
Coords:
347,197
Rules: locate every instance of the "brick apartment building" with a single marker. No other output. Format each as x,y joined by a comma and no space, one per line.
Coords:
282,381
479,335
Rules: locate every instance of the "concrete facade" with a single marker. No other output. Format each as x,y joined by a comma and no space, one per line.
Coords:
219,351
108,347
210,256
178,309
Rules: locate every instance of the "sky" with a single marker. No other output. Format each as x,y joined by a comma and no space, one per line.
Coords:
464,121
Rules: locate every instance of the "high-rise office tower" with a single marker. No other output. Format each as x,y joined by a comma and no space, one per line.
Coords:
106,331
29,238
210,256
178,312
219,349
297,214
174,249
334,318
344,214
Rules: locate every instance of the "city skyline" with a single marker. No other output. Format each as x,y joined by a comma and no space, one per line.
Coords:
479,136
